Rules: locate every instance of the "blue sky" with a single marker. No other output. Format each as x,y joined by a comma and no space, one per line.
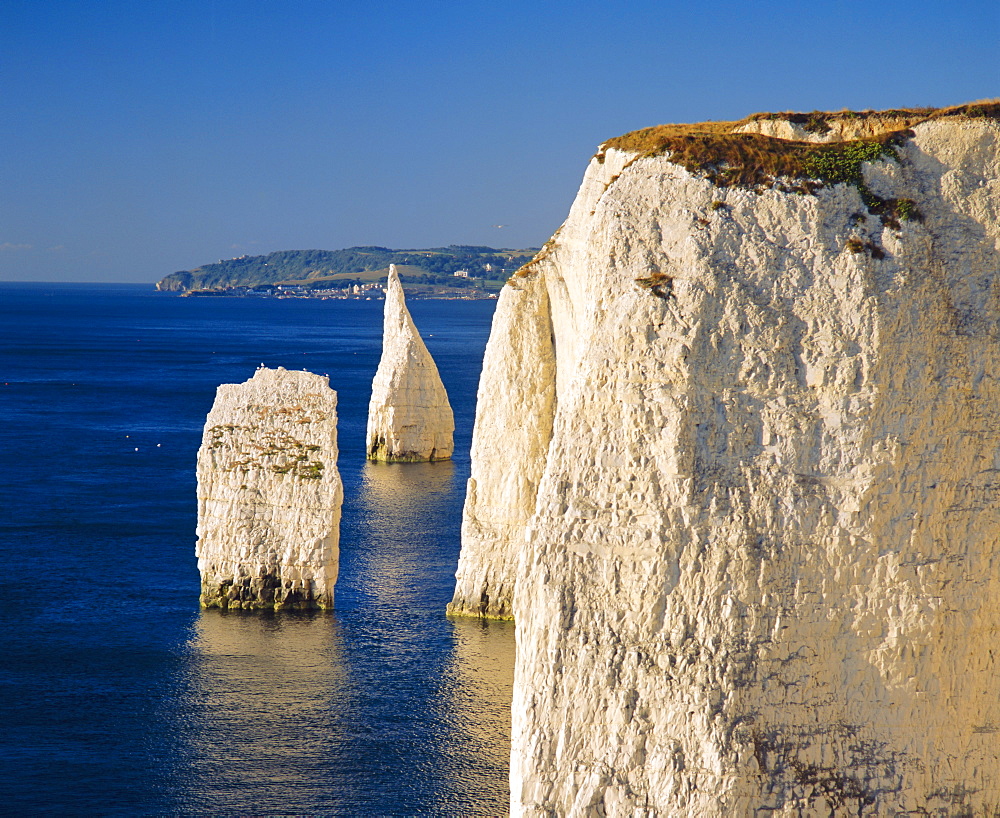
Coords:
143,137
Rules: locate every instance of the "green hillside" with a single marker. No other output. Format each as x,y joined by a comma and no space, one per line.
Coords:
341,268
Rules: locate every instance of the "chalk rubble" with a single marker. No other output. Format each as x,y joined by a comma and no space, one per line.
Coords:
747,513
409,417
269,494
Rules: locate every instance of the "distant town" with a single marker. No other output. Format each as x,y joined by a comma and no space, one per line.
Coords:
477,289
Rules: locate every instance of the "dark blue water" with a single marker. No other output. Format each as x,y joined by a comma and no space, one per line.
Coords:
118,696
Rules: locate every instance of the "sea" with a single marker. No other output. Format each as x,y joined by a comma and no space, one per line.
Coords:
118,695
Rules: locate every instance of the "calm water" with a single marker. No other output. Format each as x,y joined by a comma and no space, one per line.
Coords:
121,697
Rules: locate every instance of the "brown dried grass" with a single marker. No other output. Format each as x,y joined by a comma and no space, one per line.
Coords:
748,159
752,160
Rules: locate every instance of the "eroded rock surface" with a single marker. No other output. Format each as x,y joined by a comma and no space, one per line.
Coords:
758,553
509,445
409,417
269,494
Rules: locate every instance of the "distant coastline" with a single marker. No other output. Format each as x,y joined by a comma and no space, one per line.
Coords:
455,272
371,292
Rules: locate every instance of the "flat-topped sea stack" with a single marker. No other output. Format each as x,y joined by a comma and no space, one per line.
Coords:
736,474
269,494
409,417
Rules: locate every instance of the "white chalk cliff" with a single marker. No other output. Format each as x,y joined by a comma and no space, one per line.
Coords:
409,417
736,473
269,494
514,411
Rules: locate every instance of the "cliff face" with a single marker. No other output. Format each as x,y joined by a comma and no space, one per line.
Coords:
176,283
269,494
409,417
738,454
509,445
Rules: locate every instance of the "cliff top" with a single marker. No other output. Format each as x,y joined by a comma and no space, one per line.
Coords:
818,146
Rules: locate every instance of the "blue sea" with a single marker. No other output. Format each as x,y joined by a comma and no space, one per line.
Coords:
118,695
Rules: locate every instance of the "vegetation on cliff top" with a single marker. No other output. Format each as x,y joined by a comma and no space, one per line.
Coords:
730,157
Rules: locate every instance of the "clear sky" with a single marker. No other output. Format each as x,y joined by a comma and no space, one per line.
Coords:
141,137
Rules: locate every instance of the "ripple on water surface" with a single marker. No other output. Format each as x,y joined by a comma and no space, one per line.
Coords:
119,696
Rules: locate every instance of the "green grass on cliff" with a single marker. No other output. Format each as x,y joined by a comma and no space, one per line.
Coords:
753,160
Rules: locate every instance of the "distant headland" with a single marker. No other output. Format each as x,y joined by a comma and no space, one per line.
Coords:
457,271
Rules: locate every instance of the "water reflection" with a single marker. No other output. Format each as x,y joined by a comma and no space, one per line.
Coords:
450,680
408,509
264,711
480,676
384,708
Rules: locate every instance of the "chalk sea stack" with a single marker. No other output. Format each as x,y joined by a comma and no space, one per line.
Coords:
736,474
269,494
409,417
